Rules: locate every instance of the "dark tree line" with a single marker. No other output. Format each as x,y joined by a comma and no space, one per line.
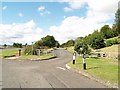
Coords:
17,45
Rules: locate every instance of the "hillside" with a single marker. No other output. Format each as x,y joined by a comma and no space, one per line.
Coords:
111,51
113,48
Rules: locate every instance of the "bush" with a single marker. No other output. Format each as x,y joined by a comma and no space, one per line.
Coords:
112,41
27,50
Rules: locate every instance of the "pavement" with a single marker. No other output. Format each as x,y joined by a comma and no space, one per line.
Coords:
44,74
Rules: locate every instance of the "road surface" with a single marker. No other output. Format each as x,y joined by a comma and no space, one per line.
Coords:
44,74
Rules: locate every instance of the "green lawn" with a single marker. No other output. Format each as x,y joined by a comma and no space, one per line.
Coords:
35,56
101,68
8,53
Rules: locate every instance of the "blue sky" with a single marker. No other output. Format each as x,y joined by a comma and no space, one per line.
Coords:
29,21
30,12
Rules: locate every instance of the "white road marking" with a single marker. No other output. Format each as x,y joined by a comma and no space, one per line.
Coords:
68,67
61,68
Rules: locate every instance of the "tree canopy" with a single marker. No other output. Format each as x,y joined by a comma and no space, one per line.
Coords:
48,41
68,43
17,45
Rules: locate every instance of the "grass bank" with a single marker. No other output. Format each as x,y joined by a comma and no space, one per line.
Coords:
103,69
8,53
71,49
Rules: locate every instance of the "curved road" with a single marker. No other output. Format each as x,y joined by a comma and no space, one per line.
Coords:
44,74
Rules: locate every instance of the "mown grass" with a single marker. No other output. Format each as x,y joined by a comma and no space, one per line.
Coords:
8,53
36,57
102,68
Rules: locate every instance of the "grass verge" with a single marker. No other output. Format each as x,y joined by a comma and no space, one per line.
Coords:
98,67
36,57
8,53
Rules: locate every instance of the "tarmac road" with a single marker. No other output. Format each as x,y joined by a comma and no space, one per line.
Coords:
44,74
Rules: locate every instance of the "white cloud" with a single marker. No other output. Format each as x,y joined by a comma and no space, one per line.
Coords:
98,13
41,8
23,33
67,9
106,6
76,4
4,7
20,14
73,27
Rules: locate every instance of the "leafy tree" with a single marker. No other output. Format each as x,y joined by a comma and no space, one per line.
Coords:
5,45
97,40
57,44
117,21
106,31
68,43
115,30
17,45
82,48
49,41
80,44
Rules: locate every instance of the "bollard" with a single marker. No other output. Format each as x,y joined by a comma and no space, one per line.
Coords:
74,57
19,52
84,62
84,66
73,61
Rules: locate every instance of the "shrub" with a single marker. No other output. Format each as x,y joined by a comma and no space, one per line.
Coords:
112,41
27,50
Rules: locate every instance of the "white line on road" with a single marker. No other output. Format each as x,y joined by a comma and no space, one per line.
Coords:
61,68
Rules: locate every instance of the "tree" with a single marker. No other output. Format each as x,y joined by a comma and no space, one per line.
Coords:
5,45
115,30
68,43
57,44
117,20
97,40
48,41
17,45
106,31
79,43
